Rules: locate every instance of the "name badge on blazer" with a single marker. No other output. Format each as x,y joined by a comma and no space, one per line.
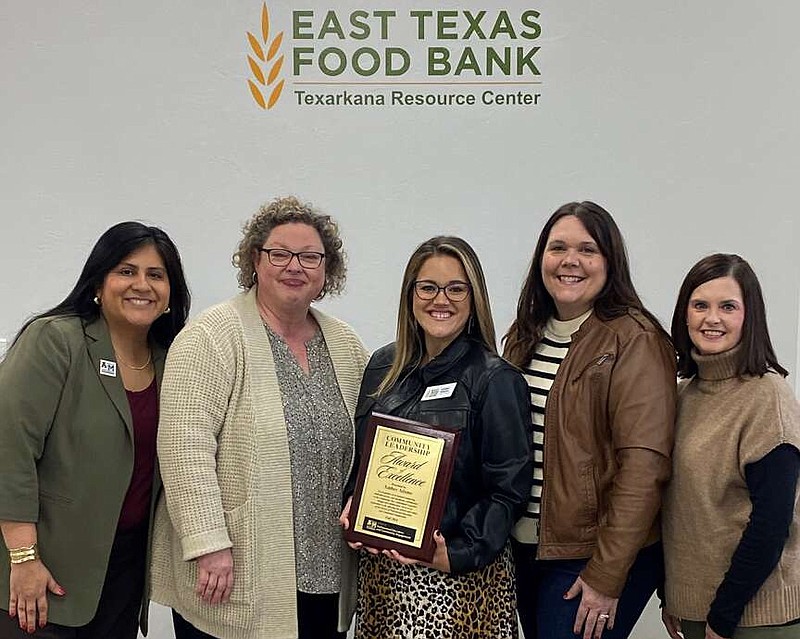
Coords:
107,368
438,392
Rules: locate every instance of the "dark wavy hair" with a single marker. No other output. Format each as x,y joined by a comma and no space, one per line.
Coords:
536,306
756,355
113,246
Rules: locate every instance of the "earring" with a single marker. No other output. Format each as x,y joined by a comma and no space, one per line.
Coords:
167,310
96,300
255,277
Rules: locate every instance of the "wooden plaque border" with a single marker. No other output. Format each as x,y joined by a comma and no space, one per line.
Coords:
440,489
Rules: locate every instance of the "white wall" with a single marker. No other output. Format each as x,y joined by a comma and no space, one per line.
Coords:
678,117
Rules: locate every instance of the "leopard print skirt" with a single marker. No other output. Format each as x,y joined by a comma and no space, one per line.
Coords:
416,602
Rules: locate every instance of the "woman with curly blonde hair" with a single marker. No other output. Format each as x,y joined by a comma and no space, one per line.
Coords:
257,441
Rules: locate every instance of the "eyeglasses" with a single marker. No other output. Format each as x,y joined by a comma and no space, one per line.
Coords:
282,257
454,291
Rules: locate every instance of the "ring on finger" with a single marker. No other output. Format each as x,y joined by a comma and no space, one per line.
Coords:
603,616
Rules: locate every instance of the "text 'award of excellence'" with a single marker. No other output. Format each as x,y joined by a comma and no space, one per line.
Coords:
402,485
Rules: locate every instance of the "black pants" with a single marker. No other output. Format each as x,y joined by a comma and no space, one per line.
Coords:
317,618
120,600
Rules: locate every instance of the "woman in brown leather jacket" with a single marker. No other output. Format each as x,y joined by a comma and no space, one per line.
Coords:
601,372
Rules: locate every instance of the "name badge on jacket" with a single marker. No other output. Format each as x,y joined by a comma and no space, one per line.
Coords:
438,392
109,369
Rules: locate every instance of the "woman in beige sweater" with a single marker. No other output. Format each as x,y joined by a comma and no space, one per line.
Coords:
256,443
731,514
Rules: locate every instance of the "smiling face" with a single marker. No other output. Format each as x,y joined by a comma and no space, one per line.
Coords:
136,291
573,268
441,319
715,316
291,286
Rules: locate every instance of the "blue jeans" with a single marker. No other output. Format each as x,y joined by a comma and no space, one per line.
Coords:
541,584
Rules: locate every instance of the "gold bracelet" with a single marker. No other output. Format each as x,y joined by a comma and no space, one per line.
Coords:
21,555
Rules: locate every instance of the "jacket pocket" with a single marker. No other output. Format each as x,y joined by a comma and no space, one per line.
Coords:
45,495
452,418
454,412
240,529
589,502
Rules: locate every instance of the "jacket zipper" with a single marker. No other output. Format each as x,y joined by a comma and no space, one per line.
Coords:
598,361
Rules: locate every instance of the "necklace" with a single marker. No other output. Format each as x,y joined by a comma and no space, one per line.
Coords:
137,368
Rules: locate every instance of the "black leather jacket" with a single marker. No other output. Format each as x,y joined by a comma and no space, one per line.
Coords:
493,470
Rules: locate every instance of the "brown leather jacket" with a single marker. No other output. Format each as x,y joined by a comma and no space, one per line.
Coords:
610,421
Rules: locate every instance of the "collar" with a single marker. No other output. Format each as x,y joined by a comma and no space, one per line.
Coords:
564,329
586,326
96,329
452,353
97,332
98,341
718,366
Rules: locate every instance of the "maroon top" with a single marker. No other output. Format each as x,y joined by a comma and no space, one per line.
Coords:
144,411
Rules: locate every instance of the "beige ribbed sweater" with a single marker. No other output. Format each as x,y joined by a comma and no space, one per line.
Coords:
726,422
224,457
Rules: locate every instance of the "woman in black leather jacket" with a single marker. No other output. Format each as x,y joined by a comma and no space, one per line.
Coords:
445,335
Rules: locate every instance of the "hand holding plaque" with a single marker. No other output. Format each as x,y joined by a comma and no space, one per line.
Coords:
402,485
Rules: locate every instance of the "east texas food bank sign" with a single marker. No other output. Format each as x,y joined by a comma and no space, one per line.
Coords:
420,57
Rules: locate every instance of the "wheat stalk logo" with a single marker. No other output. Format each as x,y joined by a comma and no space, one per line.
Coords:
267,82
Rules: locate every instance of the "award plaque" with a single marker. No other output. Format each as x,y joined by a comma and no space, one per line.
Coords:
402,485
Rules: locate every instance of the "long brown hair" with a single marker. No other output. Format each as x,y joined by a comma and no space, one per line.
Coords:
410,342
535,306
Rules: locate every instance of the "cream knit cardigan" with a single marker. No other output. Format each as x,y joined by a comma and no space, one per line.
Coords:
224,458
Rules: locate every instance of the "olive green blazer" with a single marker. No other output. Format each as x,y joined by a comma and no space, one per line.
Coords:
66,454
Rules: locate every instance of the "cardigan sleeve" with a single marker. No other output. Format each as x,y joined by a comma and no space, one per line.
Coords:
32,379
197,384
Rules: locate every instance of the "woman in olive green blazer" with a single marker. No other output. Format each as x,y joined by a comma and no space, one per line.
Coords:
78,413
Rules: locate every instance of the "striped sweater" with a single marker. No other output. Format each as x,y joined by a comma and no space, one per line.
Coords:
540,375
